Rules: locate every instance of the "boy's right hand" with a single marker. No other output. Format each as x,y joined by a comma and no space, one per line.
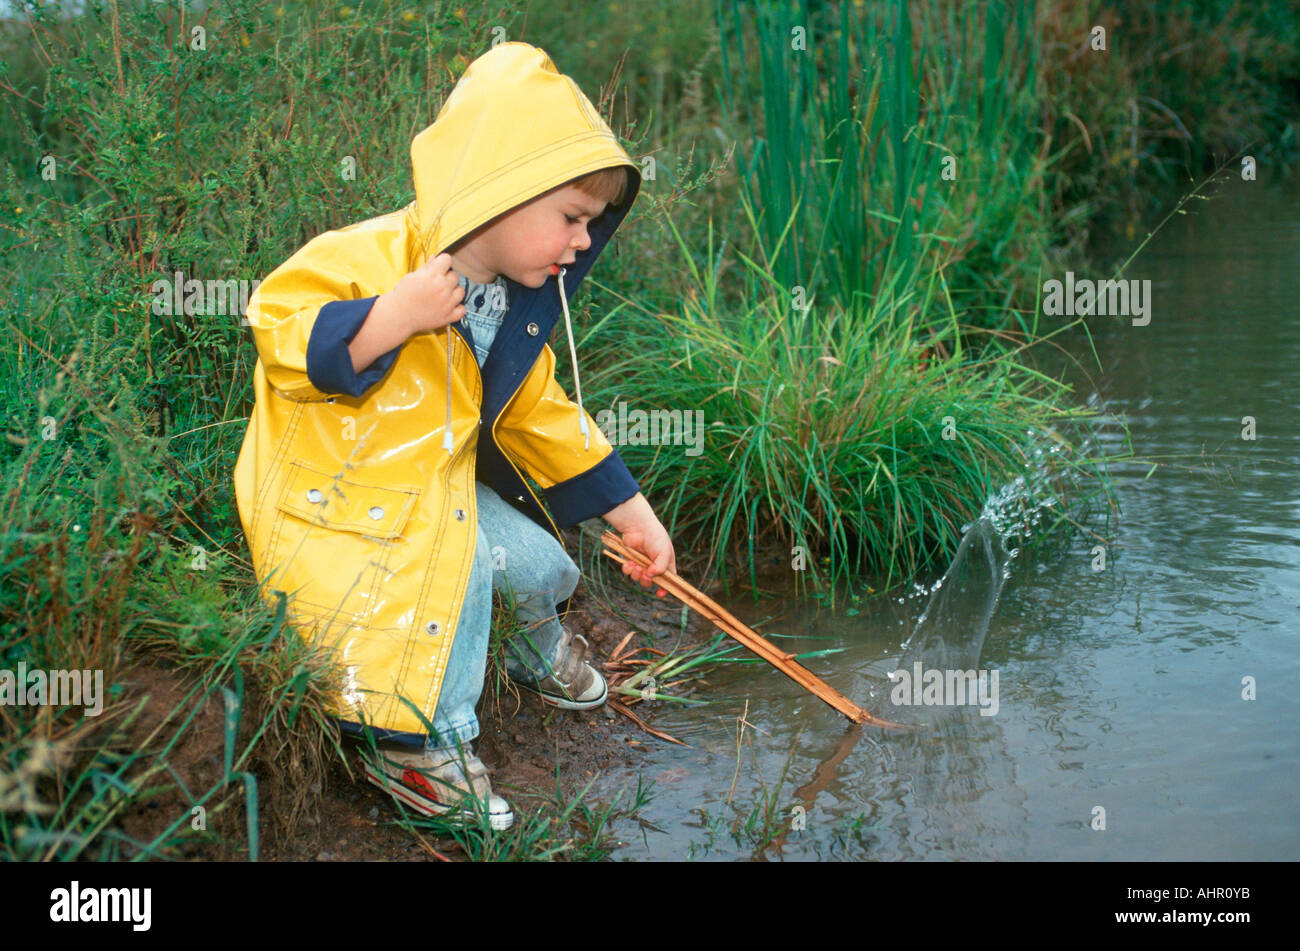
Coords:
429,298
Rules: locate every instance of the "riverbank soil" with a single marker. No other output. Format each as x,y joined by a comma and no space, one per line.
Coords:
527,746
531,750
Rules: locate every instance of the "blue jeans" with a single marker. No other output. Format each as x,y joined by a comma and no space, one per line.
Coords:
516,556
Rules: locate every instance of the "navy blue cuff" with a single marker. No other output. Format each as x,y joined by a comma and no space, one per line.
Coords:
329,365
602,487
401,737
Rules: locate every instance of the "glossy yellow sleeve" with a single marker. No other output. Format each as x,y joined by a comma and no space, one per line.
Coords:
353,263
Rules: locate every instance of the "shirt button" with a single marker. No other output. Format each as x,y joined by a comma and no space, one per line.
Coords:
314,495
460,515
532,329
376,513
432,627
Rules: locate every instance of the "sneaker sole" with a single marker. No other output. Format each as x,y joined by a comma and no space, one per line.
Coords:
500,821
566,704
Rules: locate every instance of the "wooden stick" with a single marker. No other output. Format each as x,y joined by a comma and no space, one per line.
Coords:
785,662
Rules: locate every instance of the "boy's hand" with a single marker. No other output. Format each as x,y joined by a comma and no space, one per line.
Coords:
425,299
643,532
429,298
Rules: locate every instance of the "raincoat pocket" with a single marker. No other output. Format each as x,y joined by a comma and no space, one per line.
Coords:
332,540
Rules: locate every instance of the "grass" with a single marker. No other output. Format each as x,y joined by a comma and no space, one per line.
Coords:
849,337
766,819
546,828
67,782
561,826
648,677
120,536
1180,87
94,579
868,167
505,626
831,430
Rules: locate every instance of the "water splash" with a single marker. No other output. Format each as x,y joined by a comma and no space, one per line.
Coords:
949,635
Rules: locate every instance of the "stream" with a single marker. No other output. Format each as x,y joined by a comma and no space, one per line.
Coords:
1144,711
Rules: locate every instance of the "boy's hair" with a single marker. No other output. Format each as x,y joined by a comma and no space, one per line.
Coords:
606,184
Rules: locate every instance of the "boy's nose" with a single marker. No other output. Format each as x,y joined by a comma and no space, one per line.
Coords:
583,241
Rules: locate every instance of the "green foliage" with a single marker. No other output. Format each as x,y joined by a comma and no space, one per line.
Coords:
663,56
1180,88
218,153
67,782
561,826
849,432
862,114
215,154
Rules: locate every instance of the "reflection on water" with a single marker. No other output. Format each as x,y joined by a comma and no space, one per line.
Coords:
1120,691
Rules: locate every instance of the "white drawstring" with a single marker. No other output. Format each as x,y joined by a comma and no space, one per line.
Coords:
573,355
447,442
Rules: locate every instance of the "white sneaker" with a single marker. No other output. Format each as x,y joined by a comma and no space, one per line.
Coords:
435,784
576,685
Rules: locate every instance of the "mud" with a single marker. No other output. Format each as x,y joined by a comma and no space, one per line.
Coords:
531,750
158,701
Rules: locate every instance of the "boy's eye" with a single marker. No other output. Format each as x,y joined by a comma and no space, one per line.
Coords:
571,219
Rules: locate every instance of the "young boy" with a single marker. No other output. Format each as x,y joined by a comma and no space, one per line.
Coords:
404,389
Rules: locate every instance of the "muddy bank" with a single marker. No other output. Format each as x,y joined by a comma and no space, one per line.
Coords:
527,746
310,813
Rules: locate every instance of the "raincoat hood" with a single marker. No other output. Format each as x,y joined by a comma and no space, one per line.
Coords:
512,129
356,485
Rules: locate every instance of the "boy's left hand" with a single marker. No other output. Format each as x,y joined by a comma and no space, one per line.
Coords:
642,531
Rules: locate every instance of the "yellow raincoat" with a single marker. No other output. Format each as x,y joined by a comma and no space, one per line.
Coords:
349,499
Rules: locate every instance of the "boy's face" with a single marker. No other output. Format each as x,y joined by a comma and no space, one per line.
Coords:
526,241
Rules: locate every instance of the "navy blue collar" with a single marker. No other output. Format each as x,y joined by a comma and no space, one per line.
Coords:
515,350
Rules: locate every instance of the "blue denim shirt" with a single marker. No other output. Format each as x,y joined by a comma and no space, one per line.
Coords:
485,309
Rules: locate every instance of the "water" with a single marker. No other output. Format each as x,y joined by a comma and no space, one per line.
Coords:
1119,690
950,632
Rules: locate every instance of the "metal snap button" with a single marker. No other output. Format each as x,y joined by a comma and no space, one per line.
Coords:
460,515
532,329
432,627
376,512
314,495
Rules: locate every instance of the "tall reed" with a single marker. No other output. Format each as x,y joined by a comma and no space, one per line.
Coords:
865,386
